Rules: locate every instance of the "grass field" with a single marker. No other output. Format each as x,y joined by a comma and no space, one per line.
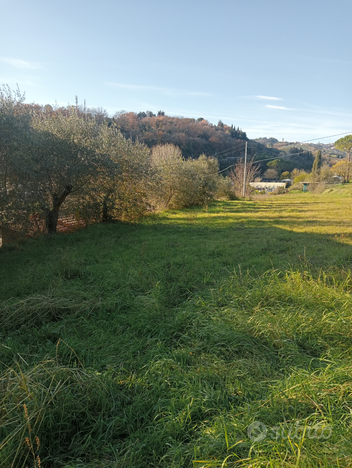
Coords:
159,344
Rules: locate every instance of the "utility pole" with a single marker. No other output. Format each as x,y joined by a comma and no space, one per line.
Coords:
245,172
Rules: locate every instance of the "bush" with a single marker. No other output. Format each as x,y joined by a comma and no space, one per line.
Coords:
302,176
176,183
317,188
225,189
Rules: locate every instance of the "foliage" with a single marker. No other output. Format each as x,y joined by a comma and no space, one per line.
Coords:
317,162
342,169
178,183
54,158
61,158
225,189
74,161
298,159
275,164
285,175
344,144
204,174
300,176
169,176
193,137
271,173
301,159
14,126
119,189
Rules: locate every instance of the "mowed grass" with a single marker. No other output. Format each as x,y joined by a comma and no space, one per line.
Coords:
158,344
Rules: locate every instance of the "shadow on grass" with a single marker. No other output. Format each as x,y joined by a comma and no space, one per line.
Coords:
175,333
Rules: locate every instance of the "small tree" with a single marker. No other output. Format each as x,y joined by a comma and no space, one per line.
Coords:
237,177
285,175
345,144
168,174
342,168
271,173
205,178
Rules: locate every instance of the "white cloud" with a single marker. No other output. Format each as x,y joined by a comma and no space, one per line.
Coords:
278,107
21,64
166,91
268,98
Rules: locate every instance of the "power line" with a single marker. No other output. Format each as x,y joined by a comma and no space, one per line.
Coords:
329,136
242,143
266,159
238,142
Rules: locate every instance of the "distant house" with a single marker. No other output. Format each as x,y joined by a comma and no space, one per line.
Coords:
288,182
269,186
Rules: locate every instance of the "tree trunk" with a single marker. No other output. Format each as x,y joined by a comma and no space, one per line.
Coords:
52,216
105,217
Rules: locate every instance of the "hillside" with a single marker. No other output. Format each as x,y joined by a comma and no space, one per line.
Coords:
161,343
193,136
328,150
198,136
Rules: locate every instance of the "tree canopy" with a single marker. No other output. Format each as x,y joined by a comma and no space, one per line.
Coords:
345,144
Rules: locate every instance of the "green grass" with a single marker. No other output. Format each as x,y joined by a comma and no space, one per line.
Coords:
157,344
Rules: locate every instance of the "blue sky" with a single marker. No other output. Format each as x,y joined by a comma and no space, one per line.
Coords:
275,68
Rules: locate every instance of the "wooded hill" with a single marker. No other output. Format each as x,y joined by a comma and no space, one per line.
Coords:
193,136
198,136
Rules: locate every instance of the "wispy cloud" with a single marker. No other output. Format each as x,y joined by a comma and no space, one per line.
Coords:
172,92
268,98
278,107
21,64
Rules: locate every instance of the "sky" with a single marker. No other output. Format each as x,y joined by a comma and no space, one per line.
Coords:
274,68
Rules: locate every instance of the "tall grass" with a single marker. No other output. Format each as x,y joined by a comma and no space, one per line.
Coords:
147,345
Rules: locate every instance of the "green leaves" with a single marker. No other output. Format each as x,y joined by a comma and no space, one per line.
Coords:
344,144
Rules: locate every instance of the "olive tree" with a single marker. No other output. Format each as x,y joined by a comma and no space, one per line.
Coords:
14,128
119,190
205,179
58,159
168,175
178,183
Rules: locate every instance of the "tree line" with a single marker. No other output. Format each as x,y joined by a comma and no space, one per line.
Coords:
55,159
